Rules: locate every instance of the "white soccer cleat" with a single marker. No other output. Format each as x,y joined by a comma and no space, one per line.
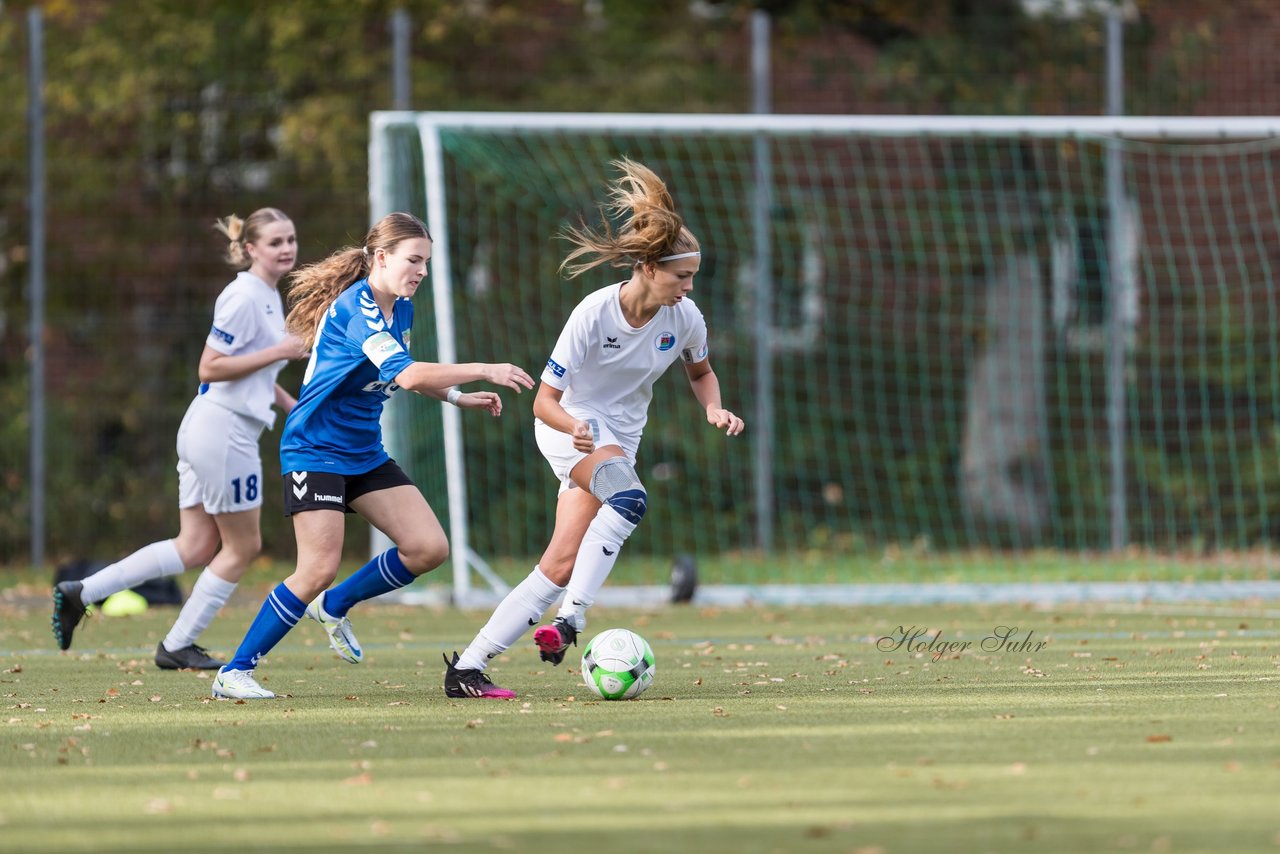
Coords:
239,685
341,638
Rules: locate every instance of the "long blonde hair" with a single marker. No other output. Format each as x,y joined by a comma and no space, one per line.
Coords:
652,228
241,231
317,285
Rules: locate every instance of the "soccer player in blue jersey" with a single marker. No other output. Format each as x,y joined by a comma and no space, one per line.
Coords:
219,464
354,309
591,409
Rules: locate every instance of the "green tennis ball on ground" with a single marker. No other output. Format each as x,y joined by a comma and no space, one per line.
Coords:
124,604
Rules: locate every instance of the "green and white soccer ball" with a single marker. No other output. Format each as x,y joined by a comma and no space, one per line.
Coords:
617,665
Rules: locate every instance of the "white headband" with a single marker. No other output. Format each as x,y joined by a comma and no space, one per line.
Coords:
679,256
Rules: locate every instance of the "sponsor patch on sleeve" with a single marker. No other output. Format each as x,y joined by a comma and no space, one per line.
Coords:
221,335
555,367
381,346
693,356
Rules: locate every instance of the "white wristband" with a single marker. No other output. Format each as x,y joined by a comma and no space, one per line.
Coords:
453,396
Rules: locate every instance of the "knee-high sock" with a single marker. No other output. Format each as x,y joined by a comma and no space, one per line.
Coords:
596,557
154,561
278,615
384,573
208,595
519,610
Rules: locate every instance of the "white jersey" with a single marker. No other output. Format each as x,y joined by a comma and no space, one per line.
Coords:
606,367
248,317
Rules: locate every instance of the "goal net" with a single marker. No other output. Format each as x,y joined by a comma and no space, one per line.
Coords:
1008,342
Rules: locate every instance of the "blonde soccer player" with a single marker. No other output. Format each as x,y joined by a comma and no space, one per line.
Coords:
591,408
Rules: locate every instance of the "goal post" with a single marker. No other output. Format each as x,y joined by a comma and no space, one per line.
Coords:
982,337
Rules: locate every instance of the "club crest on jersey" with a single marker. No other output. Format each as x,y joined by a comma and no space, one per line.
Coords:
381,346
665,341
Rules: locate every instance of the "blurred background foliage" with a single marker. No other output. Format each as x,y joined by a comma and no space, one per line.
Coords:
164,115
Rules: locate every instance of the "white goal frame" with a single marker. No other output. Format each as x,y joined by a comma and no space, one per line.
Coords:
429,126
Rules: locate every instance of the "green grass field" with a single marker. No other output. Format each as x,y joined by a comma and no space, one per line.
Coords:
1148,729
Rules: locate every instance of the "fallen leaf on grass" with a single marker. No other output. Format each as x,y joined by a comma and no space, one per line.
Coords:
1156,739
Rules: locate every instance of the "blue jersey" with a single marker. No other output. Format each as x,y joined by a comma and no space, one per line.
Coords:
336,424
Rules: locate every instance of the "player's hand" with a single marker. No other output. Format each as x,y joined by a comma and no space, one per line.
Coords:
481,400
725,420
583,440
292,347
511,376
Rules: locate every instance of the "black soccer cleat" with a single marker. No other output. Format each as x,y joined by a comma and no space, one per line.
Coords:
554,639
471,684
68,611
188,658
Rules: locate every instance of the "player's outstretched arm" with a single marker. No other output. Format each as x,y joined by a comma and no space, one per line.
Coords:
487,400
434,379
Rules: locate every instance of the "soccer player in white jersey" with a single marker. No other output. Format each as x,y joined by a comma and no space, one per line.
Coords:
355,310
591,409
219,465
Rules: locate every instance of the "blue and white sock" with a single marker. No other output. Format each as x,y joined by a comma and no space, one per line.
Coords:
384,573
278,615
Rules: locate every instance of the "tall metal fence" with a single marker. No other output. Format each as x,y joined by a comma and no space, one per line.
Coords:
161,117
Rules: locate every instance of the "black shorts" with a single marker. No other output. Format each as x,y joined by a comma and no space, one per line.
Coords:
325,490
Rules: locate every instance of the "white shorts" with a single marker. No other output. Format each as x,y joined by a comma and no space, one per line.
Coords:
562,456
219,464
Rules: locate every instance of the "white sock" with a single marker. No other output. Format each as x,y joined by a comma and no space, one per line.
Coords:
596,557
520,610
208,595
154,561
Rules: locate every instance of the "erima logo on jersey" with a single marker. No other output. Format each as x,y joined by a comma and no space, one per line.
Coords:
611,343
665,341
693,357
381,346
225,337
555,367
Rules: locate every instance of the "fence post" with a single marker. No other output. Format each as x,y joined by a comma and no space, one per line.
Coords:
36,201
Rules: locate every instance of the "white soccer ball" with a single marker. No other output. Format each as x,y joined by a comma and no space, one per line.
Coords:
617,665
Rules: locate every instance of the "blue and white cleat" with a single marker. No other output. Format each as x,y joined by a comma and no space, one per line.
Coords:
341,638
